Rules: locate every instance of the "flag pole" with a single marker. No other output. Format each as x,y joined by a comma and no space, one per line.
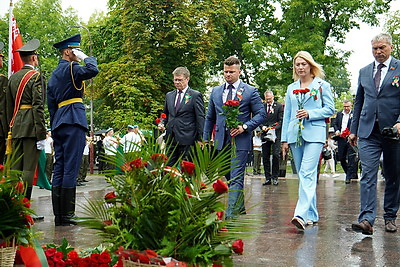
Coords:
10,41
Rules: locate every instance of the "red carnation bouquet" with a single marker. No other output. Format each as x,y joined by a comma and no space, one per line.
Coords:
231,111
15,212
345,133
160,121
178,209
301,101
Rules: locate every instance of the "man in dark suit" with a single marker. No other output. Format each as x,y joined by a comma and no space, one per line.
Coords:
25,114
377,106
252,114
346,154
271,138
68,124
184,124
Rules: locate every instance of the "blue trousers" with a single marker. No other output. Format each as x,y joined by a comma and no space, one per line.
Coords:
235,180
370,150
69,142
306,158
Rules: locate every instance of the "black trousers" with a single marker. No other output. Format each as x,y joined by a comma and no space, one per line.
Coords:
348,158
271,148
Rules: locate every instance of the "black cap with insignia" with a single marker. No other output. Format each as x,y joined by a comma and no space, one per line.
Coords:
29,48
1,48
71,42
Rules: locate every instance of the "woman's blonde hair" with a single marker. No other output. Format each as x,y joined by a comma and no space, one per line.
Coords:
316,69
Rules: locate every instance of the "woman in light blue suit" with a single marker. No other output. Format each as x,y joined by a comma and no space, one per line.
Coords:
308,103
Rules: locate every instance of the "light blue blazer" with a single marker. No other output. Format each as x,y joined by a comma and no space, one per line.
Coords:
319,109
252,113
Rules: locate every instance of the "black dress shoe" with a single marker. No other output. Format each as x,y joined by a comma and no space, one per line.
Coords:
390,226
85,181
37,217
80,184
364,227
347,181
268,182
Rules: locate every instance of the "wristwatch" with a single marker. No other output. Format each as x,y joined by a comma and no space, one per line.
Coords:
244,126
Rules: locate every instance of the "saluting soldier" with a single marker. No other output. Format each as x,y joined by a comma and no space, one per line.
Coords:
25,114
3,123
68,124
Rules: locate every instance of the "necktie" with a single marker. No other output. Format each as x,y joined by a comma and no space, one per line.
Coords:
269,109
377,78
178,101
230,88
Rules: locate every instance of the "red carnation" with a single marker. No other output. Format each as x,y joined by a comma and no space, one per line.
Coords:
110,197
163,116
203,186
220,215
26,203
158,120
29,221
73,254
237,246
95,257
50,252
220,187
105,257
187,167
345,133
187,189
126,167
159,157
58,256
137,163
19,187
1,168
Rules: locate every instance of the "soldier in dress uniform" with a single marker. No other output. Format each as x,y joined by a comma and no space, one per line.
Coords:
68,124
3,123
25,114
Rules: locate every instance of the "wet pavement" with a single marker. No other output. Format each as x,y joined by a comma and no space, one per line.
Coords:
329,243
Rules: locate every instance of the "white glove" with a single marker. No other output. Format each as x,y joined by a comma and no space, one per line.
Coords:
79,53
40,144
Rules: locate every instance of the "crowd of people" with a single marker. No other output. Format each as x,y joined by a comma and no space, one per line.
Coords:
264,128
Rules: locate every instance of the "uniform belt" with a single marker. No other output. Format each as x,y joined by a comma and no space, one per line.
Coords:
70,101
25,106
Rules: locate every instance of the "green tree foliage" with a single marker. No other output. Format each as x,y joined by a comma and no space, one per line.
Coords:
157,36
313,26
392,26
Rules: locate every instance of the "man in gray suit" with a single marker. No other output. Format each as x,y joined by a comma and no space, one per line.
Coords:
252,114
184,108
377,106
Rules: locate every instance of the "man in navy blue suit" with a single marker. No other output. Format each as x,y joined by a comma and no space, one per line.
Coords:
377,106
68,124
252,114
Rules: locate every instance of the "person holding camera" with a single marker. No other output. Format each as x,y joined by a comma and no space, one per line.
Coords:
376,108
271,138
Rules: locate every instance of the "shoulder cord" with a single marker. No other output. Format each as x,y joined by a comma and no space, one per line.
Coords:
73,80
